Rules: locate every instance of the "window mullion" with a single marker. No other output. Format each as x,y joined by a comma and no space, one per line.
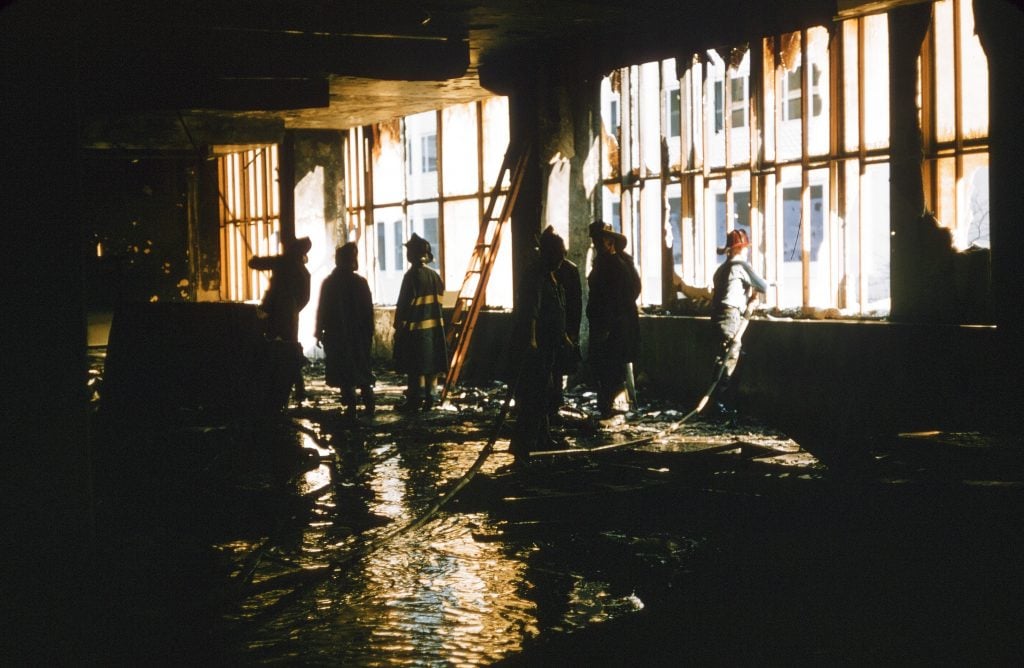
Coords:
777,79
754,99
958,138
805,188
837,241
439,168
700,201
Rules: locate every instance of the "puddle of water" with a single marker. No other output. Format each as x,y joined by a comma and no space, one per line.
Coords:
458,590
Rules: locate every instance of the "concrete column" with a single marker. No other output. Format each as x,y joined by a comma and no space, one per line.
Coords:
558,110
524,130
582,124
1000,26
584,186
907,28
286,185
318,212
322,149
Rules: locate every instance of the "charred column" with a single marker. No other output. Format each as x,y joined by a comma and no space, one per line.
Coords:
524,131
1000,25
47,483
907,28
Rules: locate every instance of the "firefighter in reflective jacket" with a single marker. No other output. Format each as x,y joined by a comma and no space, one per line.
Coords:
420,349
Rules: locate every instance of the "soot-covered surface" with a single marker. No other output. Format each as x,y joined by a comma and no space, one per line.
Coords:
312,538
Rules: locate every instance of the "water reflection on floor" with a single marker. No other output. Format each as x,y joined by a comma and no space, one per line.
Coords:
286,545
457,590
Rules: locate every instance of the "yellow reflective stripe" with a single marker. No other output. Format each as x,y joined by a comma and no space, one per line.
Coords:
425,324
425,299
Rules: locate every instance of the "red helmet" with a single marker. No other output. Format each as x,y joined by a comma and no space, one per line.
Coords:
734,240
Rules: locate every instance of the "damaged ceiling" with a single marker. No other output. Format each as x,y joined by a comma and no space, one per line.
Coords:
165,75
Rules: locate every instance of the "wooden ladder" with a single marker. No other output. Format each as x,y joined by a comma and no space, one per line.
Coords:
471,295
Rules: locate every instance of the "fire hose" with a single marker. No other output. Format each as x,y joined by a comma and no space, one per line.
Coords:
719,373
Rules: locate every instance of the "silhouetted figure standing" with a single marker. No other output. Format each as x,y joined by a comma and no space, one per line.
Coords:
420,348
567,361
614,286
540,330
344,327
735,282
286,296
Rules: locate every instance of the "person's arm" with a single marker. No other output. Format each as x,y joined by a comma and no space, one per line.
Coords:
264,262
573,302
531,307
302,288
366,304
756,282
597,297
321,307
405,295
634,276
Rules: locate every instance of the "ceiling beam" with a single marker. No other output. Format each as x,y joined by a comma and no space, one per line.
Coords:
230,53
187,132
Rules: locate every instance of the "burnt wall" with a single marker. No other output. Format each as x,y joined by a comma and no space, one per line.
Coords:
316,148
841,388
137,210
1000,24
47,482
831,385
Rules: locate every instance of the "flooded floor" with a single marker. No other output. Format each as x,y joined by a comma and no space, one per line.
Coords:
314,539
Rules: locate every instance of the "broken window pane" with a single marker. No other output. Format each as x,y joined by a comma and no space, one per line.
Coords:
672,114
672,111
739,109
388,163
875,236
646,247
768,114
819,118
461,172
851,291
421,132
390,237
944,59
973,77
851,85
741,207
714,150
649,117
791,267
820,262
976,202
674,229
955,66
459,240
249,218
382,240
945,195
790,94
716,208
403,167
495,139
719,107
423,221
876,81
611,208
